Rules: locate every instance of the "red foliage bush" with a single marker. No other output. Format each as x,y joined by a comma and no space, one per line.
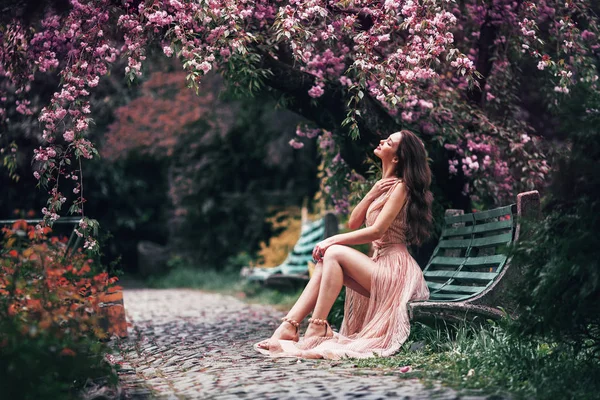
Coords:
49,331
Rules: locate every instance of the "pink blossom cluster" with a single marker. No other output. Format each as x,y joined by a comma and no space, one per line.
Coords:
302,130
400,52
378,54
74,43
575,47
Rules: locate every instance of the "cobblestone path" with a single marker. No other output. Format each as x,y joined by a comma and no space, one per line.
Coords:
188,344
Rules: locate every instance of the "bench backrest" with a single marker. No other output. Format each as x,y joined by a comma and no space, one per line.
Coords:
468,257
310,234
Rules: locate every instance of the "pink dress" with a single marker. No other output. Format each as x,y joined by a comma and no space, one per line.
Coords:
379,324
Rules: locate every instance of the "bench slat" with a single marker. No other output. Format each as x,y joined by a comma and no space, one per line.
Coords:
313,236
492,226
454,219
308,246
441,260
458,231
297,259
446,296
311,227
492,240
454,243
455,288
306,249
483,276
494,260
496,212
485,260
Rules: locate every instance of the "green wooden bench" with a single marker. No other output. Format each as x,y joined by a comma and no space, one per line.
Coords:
74,241
469,273
294,270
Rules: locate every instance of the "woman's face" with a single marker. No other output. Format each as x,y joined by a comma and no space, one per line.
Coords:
388,147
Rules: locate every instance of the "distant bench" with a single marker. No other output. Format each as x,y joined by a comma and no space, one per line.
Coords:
469,273
74,240
293,272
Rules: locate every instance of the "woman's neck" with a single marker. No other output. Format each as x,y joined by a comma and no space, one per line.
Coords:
389,170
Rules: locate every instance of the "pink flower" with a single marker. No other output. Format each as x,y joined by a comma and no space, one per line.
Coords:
94,81
296,144
561,89
407,116
316,91
205,67
587,35
69,136
81,125
450,147
22,107
36,175
425,104
168,51
225,52
344,80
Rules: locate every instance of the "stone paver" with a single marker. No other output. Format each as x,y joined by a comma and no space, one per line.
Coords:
188,344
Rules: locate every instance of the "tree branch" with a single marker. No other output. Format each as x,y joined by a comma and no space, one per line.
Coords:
329,110
484,64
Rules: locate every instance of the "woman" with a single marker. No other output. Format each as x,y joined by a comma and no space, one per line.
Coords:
396,212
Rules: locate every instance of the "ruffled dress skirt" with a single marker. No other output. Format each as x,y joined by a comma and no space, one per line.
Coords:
373,326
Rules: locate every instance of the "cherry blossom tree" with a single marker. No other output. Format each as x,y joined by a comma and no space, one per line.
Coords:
457,72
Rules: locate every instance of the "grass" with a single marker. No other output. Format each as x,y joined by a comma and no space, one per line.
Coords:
490,359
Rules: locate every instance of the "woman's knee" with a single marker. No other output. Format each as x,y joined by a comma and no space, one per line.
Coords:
335,252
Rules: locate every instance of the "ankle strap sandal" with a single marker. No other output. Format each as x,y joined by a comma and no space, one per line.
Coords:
318,321
293,322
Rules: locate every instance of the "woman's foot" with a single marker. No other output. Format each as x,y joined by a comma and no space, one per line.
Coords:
318,328
288,330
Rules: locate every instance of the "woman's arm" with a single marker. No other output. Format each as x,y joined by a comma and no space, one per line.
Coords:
357,217
385,218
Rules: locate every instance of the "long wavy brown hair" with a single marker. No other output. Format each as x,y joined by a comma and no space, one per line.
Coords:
414,169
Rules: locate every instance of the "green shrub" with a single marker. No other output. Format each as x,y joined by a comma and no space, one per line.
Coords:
561,287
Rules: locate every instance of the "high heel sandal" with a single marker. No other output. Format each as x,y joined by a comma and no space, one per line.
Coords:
266,351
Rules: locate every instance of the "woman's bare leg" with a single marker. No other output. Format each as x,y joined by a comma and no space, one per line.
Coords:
340,261
303,306
307,300
306,303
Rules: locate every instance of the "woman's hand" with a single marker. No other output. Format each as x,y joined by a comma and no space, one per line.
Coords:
321,248
381,186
